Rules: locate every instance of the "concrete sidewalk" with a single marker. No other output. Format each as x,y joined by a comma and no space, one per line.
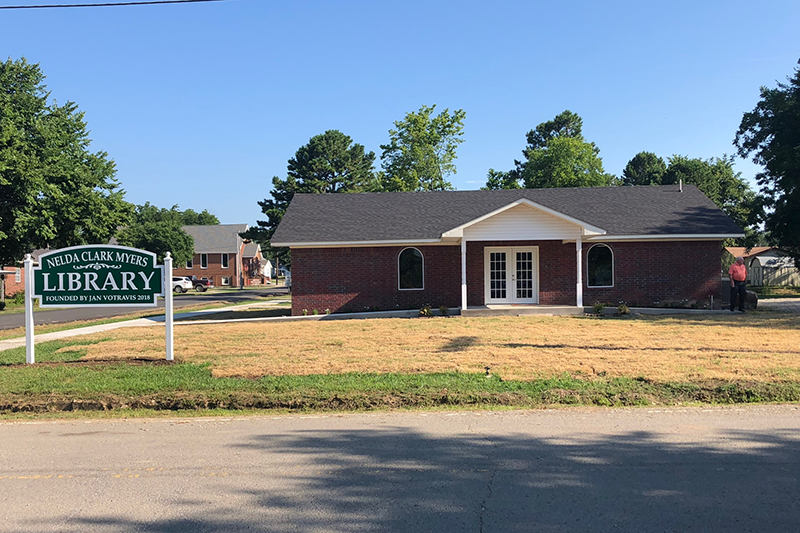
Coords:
8,344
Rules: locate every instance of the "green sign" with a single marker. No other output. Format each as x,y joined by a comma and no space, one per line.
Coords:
97,275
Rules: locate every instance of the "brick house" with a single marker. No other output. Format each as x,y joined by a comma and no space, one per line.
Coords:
255,266
648,245
218,254
14,276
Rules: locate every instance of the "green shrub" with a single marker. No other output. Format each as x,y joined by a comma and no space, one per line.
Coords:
444,310
597,307
623,309
426,310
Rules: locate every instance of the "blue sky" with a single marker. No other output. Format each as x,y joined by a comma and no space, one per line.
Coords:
201,104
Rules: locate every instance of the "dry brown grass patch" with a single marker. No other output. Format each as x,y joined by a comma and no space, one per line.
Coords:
764,347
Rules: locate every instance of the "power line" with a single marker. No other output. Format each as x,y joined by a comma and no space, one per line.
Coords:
112,4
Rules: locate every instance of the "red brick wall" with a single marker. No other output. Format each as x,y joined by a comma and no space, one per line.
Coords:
646,273
213,272
353,279
356,279
11,286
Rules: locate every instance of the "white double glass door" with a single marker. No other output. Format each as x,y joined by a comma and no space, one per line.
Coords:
511,275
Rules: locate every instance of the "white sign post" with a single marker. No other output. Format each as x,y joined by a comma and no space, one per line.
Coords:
30,356
168,303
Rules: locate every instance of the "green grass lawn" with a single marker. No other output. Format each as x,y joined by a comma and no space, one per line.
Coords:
776,292
61,382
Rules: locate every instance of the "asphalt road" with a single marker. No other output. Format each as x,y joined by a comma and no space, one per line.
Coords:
57,316
630,470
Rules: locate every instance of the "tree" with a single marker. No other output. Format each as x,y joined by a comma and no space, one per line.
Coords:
646,168
497,179
329,163
190,217
54,192
565,124
771,134
716,178
421,151
159,230
556,155
565,162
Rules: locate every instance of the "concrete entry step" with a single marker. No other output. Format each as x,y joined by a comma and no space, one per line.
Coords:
520,310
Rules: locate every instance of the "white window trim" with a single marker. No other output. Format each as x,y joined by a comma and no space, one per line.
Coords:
203,256
18,276
224,279
190,264
224,258
613,268
423,269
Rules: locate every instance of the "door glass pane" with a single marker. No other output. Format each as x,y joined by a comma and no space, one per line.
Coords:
497,275
524,275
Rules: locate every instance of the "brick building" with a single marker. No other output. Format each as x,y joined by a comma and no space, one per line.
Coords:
218,254
13,276
256,271
473,249
13,280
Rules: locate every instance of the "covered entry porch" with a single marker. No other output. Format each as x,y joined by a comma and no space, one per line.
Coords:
522,259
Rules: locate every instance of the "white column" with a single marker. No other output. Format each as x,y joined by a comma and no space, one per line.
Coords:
30,352
579,286
463,274
168,304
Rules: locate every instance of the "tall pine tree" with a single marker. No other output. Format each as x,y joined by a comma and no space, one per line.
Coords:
328,163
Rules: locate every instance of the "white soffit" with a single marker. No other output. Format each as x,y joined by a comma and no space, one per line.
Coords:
670,237
586,228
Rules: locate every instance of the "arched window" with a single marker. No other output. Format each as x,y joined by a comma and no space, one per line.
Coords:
410,267
600,265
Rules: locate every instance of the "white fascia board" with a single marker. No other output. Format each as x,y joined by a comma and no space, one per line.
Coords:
340,244
671,237
587,229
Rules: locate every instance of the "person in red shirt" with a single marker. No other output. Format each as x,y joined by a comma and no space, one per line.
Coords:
738,275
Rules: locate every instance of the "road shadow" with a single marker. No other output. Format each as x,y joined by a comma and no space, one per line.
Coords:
398,480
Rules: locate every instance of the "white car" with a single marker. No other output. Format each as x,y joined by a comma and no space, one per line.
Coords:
181,284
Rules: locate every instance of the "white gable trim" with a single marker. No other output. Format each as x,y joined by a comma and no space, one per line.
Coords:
586,228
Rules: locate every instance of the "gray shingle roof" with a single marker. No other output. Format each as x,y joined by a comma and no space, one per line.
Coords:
222,238
251,249
645,210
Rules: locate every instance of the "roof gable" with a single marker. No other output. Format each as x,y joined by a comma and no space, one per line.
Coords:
519,208
219,238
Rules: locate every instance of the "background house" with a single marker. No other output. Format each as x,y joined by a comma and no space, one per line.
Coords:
14,275
767,265
218,254
257,270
